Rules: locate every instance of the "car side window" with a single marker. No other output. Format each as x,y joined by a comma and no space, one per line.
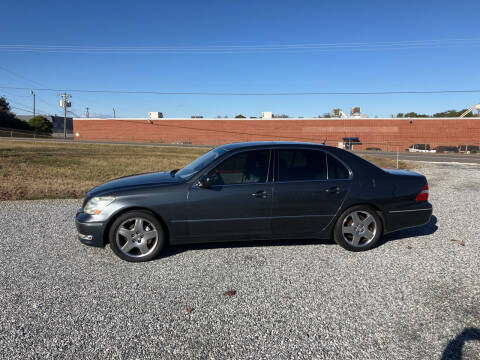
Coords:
336,170
301,164
242,168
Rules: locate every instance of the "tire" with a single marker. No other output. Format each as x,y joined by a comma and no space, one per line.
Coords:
358,232
136,236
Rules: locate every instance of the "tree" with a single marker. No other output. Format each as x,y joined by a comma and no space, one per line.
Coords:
415,115
41,124
8,119
240,116
446,113
453,113
411,114
4,105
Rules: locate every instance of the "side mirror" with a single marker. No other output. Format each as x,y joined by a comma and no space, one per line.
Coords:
205,181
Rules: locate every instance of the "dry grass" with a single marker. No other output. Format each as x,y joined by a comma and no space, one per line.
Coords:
388,163
42,170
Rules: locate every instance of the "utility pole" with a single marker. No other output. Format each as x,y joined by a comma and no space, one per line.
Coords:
64,102
114,113
33,94
87,114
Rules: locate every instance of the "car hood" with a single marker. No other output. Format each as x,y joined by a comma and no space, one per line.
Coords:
156,178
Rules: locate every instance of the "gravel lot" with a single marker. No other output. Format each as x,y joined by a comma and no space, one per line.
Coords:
416,296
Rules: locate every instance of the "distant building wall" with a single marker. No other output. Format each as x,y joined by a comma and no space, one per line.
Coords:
371,132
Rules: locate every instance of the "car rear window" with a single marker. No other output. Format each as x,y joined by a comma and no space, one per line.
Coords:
336,170
301,164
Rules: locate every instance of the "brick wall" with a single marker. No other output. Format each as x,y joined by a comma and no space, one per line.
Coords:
372,132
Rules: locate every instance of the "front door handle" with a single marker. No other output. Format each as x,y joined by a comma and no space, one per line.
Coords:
260,194
334,190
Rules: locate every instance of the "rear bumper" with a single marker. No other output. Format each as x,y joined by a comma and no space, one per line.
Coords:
89,232
416,215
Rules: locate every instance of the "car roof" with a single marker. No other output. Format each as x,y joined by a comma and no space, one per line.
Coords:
242,145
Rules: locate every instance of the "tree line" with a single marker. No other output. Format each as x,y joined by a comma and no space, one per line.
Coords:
9,120
447,113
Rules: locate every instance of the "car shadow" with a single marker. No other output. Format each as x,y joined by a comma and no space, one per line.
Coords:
427,229
173,250
454,348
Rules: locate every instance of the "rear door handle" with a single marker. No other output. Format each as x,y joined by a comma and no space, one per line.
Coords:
260,194
334,190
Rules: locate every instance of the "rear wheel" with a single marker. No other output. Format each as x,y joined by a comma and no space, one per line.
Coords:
358,228
136,236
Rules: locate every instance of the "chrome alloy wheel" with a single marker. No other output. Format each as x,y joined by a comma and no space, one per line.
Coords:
359,228
136,237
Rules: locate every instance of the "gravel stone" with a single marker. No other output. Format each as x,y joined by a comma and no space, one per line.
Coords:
416,296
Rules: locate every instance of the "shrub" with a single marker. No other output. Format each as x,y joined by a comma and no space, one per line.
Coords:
41,124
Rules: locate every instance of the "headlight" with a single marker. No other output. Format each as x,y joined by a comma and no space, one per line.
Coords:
95,205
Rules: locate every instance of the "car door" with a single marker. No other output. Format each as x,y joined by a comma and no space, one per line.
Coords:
305,197
238,203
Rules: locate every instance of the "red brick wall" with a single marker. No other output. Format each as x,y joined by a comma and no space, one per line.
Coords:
372,132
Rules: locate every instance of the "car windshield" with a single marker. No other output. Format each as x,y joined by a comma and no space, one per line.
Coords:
194,167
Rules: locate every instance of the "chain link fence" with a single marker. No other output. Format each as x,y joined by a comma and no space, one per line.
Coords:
16,133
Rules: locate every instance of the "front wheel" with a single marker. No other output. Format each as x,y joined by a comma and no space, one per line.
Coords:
358,228
136,236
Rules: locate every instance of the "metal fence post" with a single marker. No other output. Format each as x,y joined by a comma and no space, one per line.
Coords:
397,157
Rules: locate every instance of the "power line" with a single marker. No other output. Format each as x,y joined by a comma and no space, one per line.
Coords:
10,96
239,48
29,111
32,81
46,102
74,114
20,76
15,95
18,108
304,93
19,103
24,105
31,91
15,102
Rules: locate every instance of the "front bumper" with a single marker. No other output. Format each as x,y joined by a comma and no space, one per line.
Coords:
90,232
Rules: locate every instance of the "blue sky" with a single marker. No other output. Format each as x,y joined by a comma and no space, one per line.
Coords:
242,23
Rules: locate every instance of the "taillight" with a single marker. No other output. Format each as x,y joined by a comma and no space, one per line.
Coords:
423,194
